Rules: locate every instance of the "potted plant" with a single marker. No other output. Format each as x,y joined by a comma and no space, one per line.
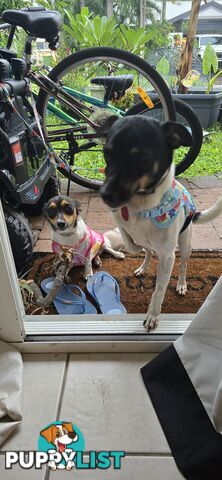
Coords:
206,105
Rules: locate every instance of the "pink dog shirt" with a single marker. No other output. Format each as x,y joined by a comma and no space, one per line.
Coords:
89,245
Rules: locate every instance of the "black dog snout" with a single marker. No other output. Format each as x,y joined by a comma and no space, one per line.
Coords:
111,199
114,197
61,224
71,434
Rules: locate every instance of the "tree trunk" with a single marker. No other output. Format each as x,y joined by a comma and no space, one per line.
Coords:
109,7
142,13
185,61
163,13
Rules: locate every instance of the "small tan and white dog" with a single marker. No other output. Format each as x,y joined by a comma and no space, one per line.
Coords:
61,436
69,231
153,211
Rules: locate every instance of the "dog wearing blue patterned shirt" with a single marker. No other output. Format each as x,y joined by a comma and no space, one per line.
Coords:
153,211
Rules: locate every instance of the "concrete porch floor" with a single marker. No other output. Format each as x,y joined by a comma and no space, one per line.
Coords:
104,396
205,191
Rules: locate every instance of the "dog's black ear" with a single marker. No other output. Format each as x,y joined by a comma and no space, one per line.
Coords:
177,135
77,206
105,127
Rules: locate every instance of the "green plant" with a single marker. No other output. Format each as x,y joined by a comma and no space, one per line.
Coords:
159,35
91,32
209,159
85,30
163,67
126,101
210,62
133,40
15,4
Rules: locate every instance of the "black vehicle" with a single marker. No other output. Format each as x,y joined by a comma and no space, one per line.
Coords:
27,168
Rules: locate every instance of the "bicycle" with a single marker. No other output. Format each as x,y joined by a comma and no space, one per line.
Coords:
65,95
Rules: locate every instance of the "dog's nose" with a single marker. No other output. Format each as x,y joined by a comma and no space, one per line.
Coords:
61,224
109,198
113,198
72,434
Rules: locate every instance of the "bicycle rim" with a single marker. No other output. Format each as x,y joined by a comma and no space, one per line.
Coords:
77,73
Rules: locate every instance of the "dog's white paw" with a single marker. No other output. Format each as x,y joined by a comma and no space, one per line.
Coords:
119,255
139,271
181,288
151,322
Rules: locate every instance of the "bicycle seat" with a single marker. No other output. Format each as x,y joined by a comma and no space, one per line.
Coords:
37,21
115,86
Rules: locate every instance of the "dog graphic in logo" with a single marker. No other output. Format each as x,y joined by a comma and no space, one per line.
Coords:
64,438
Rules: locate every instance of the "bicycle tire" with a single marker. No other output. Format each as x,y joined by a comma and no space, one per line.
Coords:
112,53
190,116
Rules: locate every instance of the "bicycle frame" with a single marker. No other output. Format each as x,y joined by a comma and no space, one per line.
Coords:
96,102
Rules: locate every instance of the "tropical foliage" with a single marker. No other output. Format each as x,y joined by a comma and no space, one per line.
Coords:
210,63
85,30
133,39
89,32
7,4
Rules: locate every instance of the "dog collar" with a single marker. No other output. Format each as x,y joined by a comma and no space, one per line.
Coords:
168,202
175,198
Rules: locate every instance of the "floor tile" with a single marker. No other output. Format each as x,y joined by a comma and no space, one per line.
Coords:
97,205
43,246
37,222
100,220
217,223
133,468
43,375
209,181
19,473
106,398
46,232
205,237
73,187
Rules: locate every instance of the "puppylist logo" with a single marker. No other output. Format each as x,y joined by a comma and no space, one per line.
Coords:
61,446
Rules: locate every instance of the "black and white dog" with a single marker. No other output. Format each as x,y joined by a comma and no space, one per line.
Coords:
152,210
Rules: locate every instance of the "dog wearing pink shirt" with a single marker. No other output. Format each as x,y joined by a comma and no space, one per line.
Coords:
69,231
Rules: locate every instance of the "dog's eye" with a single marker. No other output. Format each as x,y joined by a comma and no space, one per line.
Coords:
68,210
52,211
58,434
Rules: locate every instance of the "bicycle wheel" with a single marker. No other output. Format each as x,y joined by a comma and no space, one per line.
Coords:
183,156
105,68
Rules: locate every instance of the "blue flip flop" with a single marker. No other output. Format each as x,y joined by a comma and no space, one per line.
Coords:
105,291
66,301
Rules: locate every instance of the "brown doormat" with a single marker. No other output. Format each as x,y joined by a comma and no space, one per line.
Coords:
204,269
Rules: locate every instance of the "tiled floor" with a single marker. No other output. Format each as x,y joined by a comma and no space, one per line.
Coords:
104,396
205,191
